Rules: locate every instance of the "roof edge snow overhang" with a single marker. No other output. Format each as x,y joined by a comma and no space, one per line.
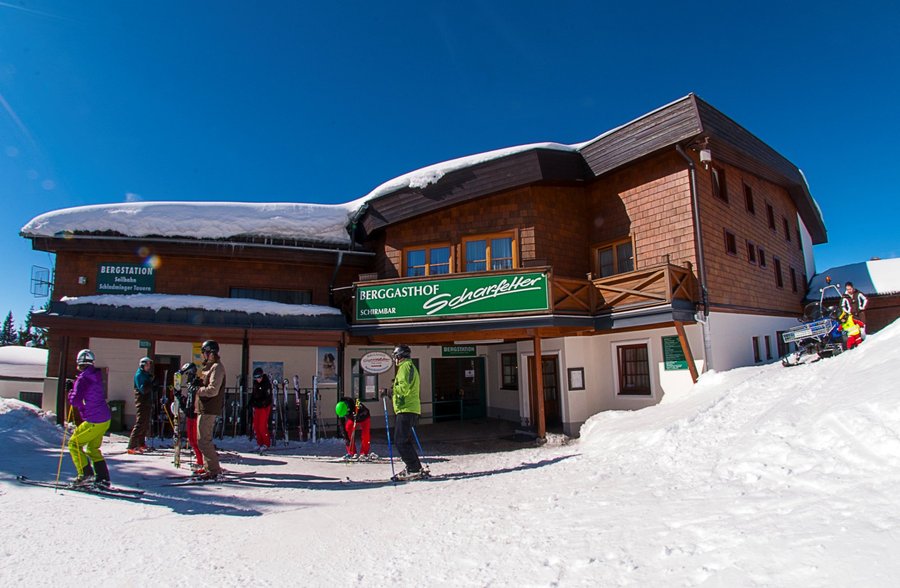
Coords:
195,318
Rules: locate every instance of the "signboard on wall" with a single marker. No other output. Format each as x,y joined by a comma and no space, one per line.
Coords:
458,351
125,278
376,362
673,354
485,294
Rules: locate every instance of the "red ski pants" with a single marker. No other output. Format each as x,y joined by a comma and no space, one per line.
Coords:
853,341
366,436
191,428
261,426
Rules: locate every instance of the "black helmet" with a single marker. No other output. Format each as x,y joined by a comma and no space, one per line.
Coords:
402,352
258,373
189,370
210,346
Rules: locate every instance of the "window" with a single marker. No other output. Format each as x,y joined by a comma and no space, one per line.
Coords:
364,386
799,240
751,252
283,296
730,243
719,186
615,258
770,216
494,252
768,341
803,282
793,280
509,371
35,398
779,280
634,369
757,358
427,261
762,257
748,198
787,228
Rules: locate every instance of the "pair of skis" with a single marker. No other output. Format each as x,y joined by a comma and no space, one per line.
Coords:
112,491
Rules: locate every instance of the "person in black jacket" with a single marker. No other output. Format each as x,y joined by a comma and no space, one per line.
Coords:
354,416
261,402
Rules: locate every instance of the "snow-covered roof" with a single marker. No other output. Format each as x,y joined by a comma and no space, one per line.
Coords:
315,223
877,276
22,362
179,301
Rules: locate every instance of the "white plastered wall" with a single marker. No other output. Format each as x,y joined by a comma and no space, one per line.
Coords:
732,338
597,356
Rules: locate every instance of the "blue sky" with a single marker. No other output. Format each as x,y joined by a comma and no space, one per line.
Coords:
294,101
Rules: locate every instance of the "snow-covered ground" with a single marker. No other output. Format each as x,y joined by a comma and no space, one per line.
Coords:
764,476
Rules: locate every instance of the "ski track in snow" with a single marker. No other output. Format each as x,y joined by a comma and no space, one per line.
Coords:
763,476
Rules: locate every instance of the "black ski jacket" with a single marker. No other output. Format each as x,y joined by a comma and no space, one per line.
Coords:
261,397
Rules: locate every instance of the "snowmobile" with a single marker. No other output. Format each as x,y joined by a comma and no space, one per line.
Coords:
820,334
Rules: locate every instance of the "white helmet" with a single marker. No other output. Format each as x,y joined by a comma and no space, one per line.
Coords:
145,361
85,357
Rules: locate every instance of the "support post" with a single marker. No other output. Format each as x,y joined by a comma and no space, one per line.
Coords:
685,346
539,388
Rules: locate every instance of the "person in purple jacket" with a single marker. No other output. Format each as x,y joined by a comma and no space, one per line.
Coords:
88,399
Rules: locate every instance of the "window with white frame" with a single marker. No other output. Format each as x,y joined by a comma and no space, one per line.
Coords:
632,368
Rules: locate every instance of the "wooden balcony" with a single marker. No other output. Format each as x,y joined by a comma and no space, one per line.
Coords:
646,287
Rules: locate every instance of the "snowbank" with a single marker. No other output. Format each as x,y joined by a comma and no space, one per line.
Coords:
175,302
17,361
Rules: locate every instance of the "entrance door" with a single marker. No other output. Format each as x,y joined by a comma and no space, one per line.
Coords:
550,374
458,388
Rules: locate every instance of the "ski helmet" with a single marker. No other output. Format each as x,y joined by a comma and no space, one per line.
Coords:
402,352
258,373
341,409
85,357
210,346
188,369
145,361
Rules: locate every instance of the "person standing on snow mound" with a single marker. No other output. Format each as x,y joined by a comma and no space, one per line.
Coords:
261,402
854,302
405,397
88,399
354,416
143,403
210,401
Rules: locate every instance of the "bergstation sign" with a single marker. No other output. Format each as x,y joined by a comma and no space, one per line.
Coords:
486,294
125,278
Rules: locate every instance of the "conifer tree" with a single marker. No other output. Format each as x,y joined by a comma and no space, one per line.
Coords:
8,331
31,336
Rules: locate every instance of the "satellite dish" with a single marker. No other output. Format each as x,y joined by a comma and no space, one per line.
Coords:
40,281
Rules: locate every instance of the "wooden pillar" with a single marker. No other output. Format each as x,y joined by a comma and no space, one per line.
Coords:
62,395
682,338
539,389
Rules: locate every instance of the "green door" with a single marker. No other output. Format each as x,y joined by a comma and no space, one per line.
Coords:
458,388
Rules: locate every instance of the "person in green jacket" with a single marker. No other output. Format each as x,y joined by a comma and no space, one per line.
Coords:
407,407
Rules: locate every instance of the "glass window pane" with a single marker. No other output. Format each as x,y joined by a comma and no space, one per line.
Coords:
415,262
440,260
624,258
605,262
501,253
476,256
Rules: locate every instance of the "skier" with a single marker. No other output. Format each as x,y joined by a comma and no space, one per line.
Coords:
854,302
407,406
188,405
88,399
852,329
261,401
143,388
354,416
210,401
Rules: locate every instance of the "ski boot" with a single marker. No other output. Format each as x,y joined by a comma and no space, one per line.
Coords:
101,480
406,476
85,478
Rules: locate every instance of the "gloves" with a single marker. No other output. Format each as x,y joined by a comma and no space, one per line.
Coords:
69,384
385,393
197,382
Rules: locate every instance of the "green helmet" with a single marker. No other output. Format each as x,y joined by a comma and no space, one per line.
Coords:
341,409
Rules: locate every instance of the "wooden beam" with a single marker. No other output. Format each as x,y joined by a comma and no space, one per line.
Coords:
685,346
539,388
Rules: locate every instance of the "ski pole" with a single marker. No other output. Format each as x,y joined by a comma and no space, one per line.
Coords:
419,445
387,428
63,448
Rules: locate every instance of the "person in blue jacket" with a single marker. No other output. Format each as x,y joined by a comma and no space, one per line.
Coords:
88,399
143,402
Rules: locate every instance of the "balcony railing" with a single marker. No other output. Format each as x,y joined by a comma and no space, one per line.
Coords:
649,286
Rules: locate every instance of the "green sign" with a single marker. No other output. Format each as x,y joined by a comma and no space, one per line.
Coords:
673,354
453,296
125,278
144,344
458,351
